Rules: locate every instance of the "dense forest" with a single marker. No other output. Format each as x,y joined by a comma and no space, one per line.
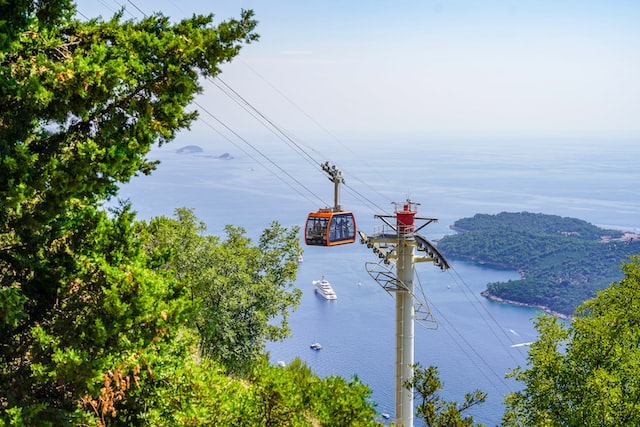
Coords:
563,261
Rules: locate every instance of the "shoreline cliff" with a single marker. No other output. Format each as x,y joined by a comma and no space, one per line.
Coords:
545,309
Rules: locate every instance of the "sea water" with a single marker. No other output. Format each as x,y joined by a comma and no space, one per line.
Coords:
472,341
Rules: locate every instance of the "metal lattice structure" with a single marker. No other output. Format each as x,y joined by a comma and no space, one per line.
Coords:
398,244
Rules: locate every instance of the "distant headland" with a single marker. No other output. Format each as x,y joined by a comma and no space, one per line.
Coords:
562,261
192,149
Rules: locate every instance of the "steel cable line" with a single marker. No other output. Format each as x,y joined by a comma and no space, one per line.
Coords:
253,111
275,129
255,159
260,153
82,14
458,279
267,123
124,9
137,8
111,10
460,346
362,197
244,140
473,360
319,125
278,131
461,336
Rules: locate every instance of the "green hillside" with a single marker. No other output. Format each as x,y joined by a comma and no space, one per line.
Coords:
563,261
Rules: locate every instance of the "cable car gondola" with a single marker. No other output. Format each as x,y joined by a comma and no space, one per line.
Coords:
328,228
331,226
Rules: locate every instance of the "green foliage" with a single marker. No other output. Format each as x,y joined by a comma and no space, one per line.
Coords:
80,311
110,311
585,373
433,409
169,388
563,261
526,222
82,104
96,311
11,307
293,396
243,293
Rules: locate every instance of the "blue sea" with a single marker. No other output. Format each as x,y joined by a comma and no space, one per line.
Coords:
470,340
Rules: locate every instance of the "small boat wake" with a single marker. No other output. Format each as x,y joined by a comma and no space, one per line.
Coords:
522,344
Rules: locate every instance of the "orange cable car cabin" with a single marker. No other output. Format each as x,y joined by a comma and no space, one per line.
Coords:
331,226
328,228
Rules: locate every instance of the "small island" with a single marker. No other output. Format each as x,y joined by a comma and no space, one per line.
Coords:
196,149
189,149
562,261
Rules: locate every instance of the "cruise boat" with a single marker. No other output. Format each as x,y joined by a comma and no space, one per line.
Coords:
324,289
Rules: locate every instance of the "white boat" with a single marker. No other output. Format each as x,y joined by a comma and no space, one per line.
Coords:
316,346
324,289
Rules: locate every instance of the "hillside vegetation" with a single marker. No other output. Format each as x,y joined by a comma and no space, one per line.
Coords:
563,261
585,372
106,320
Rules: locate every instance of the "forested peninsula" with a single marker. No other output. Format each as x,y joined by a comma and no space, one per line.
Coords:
562,261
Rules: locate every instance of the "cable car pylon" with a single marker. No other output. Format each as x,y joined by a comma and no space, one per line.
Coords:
397,244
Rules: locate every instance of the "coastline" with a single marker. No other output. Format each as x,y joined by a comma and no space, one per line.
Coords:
494,298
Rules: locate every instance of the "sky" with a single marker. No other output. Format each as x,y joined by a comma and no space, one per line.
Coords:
477,68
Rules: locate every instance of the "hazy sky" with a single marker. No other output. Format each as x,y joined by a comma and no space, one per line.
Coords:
428,68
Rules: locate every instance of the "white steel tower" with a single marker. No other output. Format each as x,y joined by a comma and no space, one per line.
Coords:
395,244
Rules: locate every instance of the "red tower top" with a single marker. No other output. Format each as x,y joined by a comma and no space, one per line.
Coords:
405,217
